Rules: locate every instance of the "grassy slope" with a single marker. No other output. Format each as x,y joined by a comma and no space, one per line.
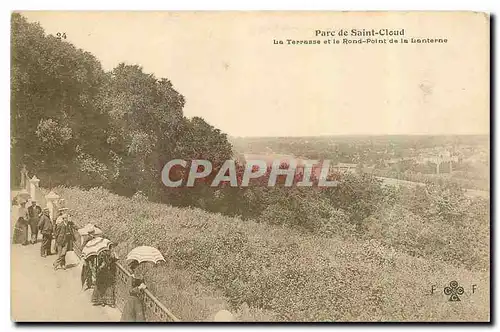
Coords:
265,272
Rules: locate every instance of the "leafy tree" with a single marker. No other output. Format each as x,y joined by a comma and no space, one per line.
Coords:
148,129
54,100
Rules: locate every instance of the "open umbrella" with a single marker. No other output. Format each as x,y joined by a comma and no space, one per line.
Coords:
89,228
24,195
88,232
95,247
145,254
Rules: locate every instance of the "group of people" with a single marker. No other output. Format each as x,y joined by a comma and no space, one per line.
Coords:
98,271
27,218
38,220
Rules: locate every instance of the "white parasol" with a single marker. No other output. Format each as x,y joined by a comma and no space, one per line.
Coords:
95,246
145,254
89,228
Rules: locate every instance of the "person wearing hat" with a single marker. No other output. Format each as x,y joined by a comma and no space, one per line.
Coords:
62,213
59,219
89,236
104,290
133,265
89,273
65,236
45,227
34,214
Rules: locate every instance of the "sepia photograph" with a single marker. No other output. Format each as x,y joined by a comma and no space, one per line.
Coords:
250,166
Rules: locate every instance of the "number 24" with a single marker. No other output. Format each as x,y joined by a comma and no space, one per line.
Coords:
61,35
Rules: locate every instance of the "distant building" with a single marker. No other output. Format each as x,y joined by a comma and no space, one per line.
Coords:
299,169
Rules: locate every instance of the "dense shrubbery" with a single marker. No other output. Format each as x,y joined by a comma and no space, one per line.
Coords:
271,272
437,221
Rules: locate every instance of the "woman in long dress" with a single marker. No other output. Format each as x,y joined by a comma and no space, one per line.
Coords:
89,264
104,290
88,274
133,311
20,235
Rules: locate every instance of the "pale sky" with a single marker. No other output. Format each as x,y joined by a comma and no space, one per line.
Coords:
231,74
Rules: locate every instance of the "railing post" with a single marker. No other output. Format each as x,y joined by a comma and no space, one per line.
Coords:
51,198
24,177
34,184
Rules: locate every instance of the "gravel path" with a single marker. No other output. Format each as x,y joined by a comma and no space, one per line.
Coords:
38,293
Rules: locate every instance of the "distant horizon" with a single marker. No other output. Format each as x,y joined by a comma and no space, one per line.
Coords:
359,135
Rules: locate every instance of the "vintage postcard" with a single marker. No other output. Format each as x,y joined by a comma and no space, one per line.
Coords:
250,166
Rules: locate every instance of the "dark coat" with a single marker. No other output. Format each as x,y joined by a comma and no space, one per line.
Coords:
34,212
64,234
45,225
133,311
